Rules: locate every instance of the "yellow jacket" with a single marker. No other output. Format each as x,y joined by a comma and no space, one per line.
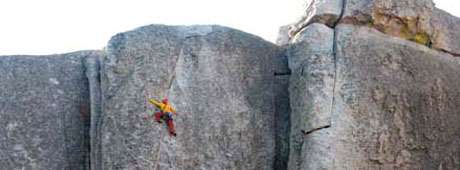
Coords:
163,107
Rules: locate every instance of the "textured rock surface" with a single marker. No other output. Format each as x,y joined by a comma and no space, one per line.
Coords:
319,11
446,36
414,20
44,111
326,12
312,63
283,35
353,96
396,104
402,18
220,80
364,10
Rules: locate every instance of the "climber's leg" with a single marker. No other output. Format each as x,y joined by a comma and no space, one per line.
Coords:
170,123
172,131
158,116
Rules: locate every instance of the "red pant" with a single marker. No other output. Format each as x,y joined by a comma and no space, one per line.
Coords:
169,121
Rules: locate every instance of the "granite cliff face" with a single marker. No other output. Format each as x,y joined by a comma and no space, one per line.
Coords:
220,80
45,111
85,110
374,86
354,84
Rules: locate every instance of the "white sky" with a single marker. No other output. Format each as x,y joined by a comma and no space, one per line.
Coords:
59,26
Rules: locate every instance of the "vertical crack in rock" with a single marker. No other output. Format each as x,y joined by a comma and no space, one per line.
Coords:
342,11
311,59
282,113
92,71
334,51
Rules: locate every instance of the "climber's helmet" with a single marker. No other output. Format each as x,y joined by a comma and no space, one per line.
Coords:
165,101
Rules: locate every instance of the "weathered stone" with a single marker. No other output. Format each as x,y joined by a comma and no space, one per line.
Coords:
283,35
220,80
311,89
446,36
408,19
45,111
414,20
318,11
360,97
392,16
396,104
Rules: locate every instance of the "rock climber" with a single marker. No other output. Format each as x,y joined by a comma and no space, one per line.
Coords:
165,114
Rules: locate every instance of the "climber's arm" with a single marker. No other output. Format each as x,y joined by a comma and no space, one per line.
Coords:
156,103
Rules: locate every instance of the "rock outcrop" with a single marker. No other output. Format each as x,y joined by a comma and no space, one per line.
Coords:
414,20
366,97
222,82
311,60
354,84
45,111
318,11
394,109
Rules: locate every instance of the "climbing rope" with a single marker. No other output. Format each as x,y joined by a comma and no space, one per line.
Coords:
158,156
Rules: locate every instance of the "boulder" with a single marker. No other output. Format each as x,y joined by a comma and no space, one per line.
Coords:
319,11
414,20
409,19
283,35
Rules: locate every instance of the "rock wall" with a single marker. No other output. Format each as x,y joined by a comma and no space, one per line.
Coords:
354,84
45,111
376,90
394,109
311,85
222,82
85,110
